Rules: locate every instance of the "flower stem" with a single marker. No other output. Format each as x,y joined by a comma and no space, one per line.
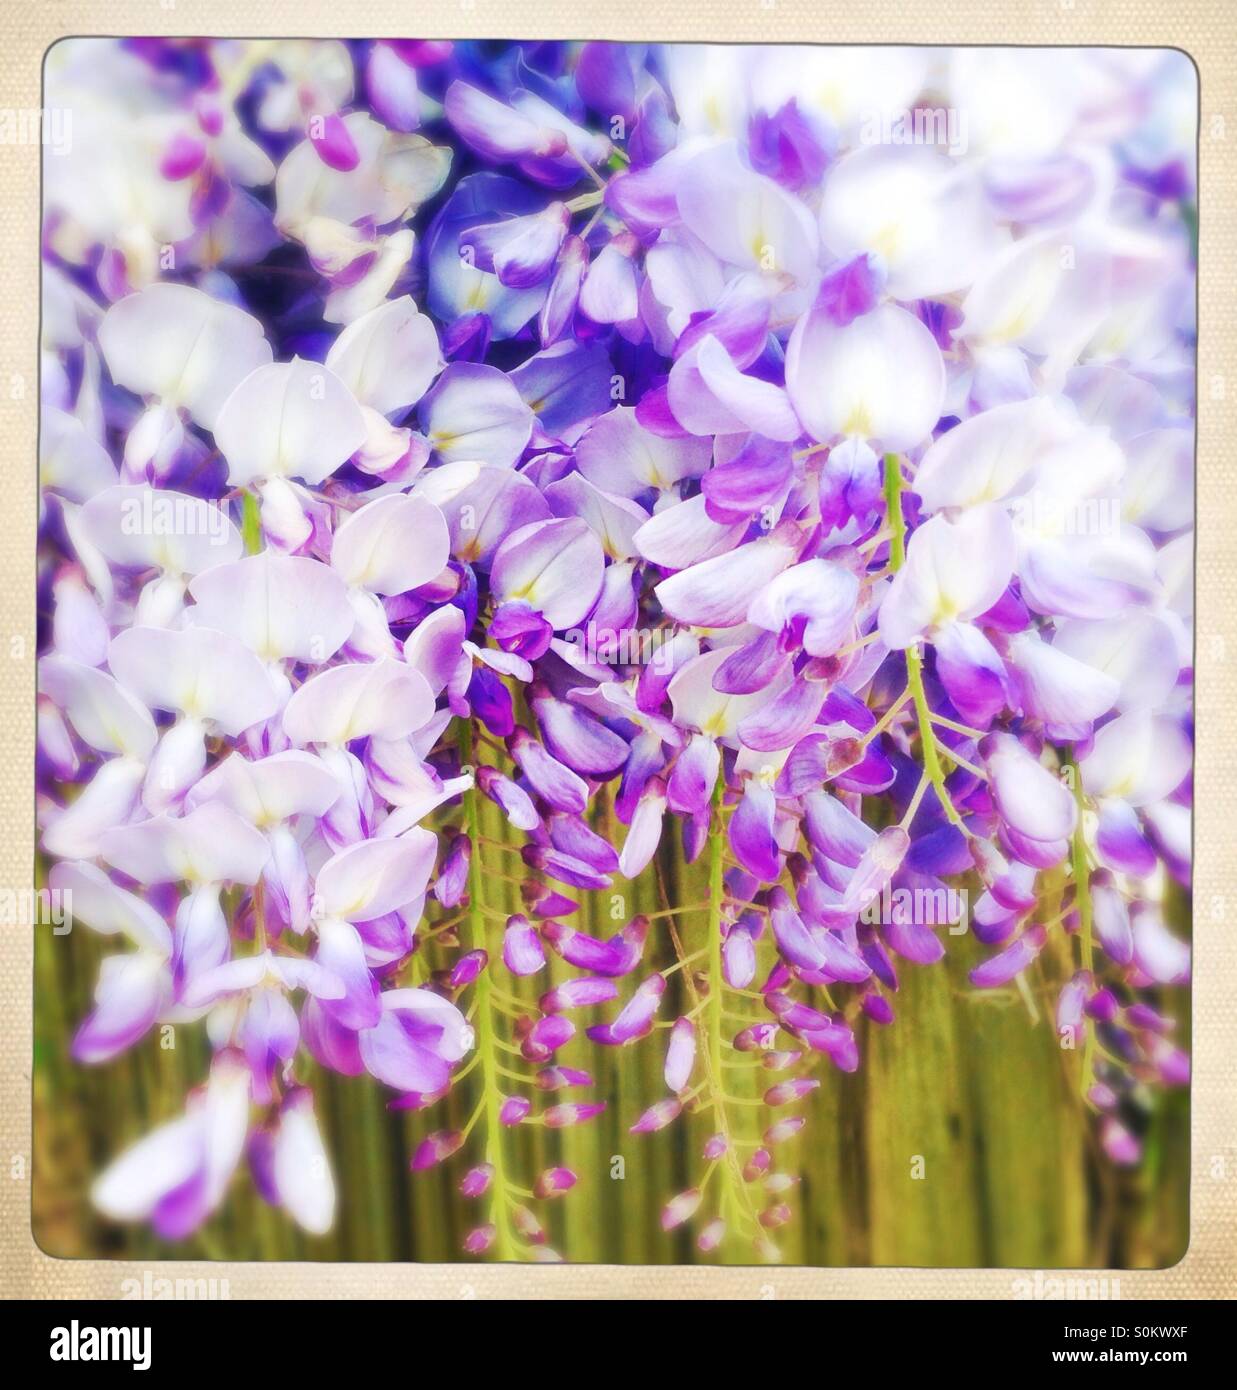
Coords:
251,523
1082,899
488,1042
734,1203
1082,877
914,661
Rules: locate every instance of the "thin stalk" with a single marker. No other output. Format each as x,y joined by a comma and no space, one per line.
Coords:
734,1203
1082,877
1082,899
488,1042
251,523
914,661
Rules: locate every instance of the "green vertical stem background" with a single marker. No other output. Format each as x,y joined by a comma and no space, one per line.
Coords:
965,1080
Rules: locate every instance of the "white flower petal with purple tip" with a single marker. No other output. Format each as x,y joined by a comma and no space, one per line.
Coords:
1029,797
474,413
553,566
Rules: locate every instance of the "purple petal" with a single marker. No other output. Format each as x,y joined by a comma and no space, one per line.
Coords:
1013,960
751,832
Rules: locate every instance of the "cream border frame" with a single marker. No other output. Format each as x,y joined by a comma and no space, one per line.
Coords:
1207,31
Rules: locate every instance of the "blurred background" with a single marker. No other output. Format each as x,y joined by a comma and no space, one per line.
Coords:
960,1141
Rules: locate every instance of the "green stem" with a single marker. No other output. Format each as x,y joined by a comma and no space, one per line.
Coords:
486,1030
584,202
1082,875
914,661
734,1202
1082,897
251,523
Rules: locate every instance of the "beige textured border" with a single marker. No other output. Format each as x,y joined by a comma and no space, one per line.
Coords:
1207,30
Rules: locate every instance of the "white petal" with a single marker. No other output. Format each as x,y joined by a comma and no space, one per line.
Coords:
209,845
697,705
137,527
132,1186
617,454
107,908
474,413
989,457
745,218
388,357
373,877
302,1171
384,698
683,534
102,712
289,420
107,800
880,378
71,460
716,593
182,347
196,672
1137,757
270,790
279,606
923,212
392,545
1137,649
954,571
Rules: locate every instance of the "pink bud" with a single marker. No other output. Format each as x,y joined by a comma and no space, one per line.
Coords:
1103,1097
715,1146
476,1182
636,1017
1118,1143
787,1091
580,993
877,1008
513,1110
528,1225
554,1182
680,1208
478,1241
183,157
757,1166
436,1147
739,958
756,1038
773,1217
523,953
781,1130
780,1182
546,1036
558,1078
467,968
712,1235
779,1061
562,1116
657,1116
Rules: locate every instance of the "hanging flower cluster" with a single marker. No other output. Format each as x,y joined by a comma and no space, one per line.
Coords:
776,457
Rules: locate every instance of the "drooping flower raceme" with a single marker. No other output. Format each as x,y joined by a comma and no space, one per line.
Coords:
463,472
